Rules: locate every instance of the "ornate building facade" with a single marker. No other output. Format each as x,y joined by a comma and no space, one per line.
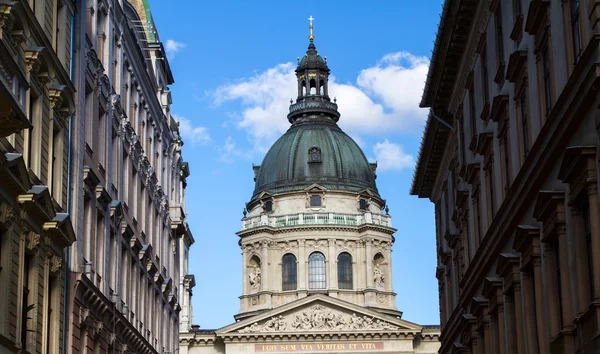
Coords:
36,106
128,187
316,245
510,158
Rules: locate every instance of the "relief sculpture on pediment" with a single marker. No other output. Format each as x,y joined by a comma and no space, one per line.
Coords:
319,318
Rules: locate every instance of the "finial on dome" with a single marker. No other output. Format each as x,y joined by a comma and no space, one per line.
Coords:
311,36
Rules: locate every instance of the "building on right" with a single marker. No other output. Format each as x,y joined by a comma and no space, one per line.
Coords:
509,157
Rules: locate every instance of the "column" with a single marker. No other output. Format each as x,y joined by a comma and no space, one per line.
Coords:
519,317
540,319
510,334
529,312
332,262
388,275
552,293
264,266
481,342
493,338
301,265
245,284
565,278
475,342
581,266
501,330
486,333
369,262
592,190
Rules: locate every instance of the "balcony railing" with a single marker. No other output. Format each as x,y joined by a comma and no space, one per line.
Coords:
316,219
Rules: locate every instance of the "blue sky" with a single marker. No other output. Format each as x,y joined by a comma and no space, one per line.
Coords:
233,64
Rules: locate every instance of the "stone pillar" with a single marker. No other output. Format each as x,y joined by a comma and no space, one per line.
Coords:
552,294
501,330
529,312
388,275
369,262
592,190
493,341
581,259
542,330
332,278
486,335
511,331
301,264
264,281
566,294
245,284
518,307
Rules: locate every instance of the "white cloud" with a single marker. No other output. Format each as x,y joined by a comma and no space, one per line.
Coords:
191,133
384,99
230,151
391,156
172,47
265,97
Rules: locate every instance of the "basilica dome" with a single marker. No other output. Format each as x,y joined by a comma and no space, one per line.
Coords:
314,150
312,153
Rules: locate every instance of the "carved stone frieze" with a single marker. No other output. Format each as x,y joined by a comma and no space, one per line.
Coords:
32,60
7,214
34,241
56,264
319,318
5,9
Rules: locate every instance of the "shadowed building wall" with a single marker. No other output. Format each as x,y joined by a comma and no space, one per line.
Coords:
514,181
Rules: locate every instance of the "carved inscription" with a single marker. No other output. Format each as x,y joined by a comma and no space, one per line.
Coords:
318,347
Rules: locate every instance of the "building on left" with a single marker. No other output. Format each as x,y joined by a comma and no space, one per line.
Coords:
36,107
128,182
93,227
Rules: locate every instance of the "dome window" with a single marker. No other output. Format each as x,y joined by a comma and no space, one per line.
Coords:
315,201
363,204
268,206
314,154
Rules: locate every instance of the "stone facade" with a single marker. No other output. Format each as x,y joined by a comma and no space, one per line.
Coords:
295,228
514,181
128,187
36,105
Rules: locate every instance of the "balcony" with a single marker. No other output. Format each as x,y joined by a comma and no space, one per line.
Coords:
277,221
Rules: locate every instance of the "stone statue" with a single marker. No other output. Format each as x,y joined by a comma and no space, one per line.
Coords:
254,277
378,276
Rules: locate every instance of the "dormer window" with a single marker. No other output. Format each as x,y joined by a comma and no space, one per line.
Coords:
314,154
315,201
363,204
268,206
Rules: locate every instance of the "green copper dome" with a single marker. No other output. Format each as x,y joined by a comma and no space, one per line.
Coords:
314,150
289,164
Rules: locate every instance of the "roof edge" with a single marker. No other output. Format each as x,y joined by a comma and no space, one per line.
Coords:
425,99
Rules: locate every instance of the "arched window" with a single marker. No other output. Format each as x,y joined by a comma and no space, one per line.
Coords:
313,87
289,272
316,271
303,88
344,271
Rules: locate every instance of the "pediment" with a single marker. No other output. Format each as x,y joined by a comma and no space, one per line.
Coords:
315,188
319,313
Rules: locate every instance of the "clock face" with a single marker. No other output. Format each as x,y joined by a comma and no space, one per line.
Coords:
314,156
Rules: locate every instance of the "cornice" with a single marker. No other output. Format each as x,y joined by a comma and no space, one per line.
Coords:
324,227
